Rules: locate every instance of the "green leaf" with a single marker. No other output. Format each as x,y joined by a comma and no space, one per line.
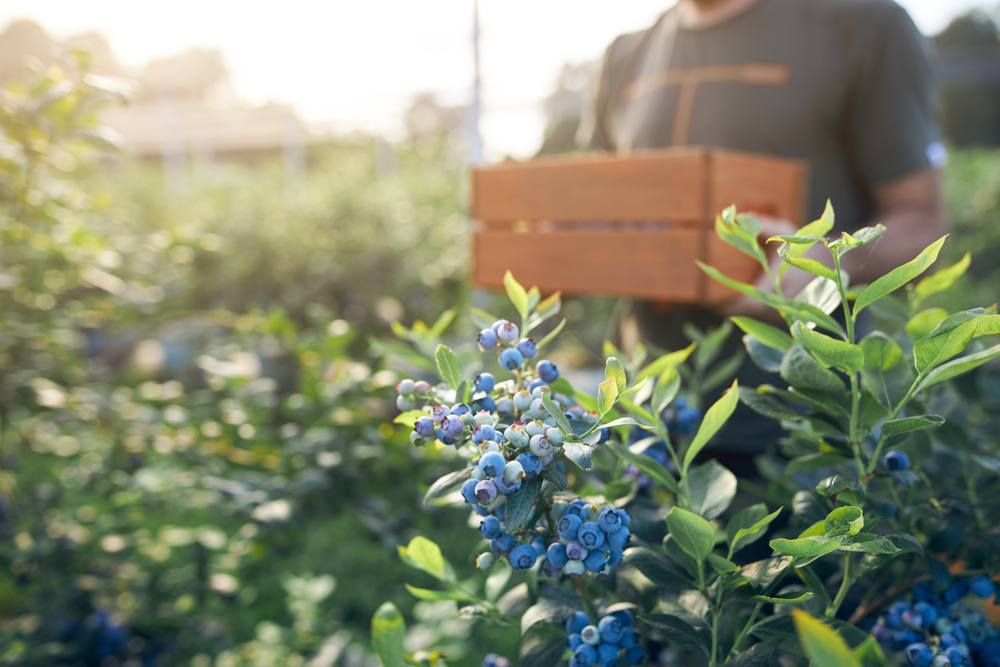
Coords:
556,413
534,296
814,461
821,642
798,597
956,319
765,357
679,632
844,521
744,536
758,655
615,370
943,343
403,352
898,277
497,581
829,351
721,564
801,370
435,596
806,547
924,322
552,334
646,464
555,478
446,484
659,570
409,418
542,652
517,295
694,535
482,319
442,323
765,333
794,309
543,611
835,484
449,367
425,555
958,366
671,359
666,389
741,239
520,504
710,425
722,372
941,280
908,424
806,264
869,543
713,488
869,653
886,372
607,395
622,421
388,634
634,389
578,453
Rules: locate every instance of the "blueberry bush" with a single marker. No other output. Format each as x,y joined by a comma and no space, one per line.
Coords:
608,549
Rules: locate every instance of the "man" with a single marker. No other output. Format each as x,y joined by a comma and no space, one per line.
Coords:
842,84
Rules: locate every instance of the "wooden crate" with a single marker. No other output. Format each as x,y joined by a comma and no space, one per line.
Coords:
625,226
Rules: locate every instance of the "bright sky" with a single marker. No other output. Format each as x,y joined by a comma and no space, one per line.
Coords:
358,64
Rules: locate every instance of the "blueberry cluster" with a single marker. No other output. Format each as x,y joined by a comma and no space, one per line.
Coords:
494,660
681,418
513,352
604,643
591,538
939,630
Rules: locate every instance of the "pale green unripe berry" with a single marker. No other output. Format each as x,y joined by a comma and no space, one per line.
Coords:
489,446
513,472
522,400
469,419
555,436
478,474
541,390
540,446
484,418
549,421
534,428
574,568
537,410
516,436
485,561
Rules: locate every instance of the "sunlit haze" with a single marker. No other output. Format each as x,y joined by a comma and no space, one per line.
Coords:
357,65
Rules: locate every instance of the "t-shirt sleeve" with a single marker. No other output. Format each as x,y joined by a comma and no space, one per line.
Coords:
891,123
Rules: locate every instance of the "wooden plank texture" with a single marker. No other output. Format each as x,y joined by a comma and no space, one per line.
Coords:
660,185
637,264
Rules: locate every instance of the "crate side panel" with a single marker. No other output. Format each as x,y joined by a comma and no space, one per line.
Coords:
647,187
641,265
770,186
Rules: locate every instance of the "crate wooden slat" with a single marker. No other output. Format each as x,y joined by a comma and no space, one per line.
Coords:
624,225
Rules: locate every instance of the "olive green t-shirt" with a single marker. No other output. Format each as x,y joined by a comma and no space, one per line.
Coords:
845,85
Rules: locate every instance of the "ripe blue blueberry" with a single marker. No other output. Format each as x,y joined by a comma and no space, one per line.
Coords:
595,560
585,655
919,654
947,640
575,508
609,521
485,403
630,638
522,557
439,412
460,409
486,492
576,551
895,460
505,487
591,535
494,660
424,427
955,656
482,434
607,655
577,622
574,641
912,620
505,406
528,348
614,556
452,426
928,614
611,629
538,545
556,553
981,586
489,527
503,543
547,371
493,463
530,463
499,323
635,655
484,382
487,339
624,516
511,359
619,538
569,526
469,491
507,332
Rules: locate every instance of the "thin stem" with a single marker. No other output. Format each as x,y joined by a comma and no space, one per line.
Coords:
715,637
588,602
844,586
746,628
